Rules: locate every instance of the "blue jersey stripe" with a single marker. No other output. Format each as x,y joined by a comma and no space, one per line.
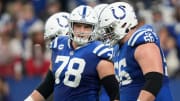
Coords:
133,36
53,44
98,48
105,51
136,37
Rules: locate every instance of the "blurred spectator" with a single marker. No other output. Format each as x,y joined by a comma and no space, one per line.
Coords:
53,6
37,64
8,53
64,4
16,11
141,21
4,17
170,52
166,41
145,13
6,60
4,90
17,54
174,2
29,20
22,48
174,30
149,3
9,46
39,7
157,18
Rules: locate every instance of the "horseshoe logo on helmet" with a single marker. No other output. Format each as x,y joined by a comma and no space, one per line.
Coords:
59,23
116,15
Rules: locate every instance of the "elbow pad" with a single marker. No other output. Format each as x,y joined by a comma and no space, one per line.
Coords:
153,82
47,86
111,86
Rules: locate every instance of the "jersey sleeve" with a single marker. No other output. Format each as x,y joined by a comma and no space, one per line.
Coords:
103,51
142,37
55,44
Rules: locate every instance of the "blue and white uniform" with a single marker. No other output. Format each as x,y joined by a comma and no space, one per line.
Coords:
130,74
75,70
128,71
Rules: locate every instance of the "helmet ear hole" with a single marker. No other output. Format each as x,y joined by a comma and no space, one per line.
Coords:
127,30
123,26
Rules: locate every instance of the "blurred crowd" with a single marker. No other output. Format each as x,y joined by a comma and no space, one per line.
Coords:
23,50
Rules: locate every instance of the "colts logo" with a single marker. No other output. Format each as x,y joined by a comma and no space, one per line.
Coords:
65,16
59,23
115,13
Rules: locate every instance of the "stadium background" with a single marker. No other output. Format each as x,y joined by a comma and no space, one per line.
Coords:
23,63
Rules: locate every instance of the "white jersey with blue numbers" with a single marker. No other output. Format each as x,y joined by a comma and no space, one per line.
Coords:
75,71
130,75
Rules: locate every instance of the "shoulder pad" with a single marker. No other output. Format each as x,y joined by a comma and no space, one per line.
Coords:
103,51
142,37
55,43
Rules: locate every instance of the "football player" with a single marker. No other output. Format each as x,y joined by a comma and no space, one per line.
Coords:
142,68
56,25
98,9
79,63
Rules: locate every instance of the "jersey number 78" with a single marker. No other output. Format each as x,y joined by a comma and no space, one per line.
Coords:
67,62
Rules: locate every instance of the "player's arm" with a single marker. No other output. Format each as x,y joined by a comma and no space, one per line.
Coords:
107,76
35,96
149,58
44,90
